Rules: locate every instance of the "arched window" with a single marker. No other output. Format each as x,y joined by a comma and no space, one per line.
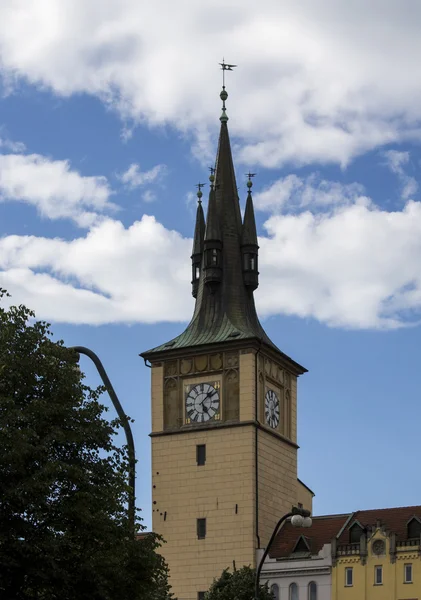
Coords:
312,590
414,528
274,588
293,591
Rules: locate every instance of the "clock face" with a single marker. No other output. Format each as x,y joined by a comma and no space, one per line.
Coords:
202,402
272,409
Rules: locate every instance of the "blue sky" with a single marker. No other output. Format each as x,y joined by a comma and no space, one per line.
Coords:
109,117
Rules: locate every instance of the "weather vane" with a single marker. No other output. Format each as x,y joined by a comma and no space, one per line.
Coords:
225,67
199,190
224,95
249,181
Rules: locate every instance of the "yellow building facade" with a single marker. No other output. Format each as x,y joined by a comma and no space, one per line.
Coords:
378,556
224,406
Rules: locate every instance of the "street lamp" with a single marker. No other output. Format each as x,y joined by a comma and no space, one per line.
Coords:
126,426
300,517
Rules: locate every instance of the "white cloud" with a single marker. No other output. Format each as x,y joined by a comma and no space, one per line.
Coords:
53,188
10,145
134,177
317,81
356,267
397,161
313,192
353,266
113,274
148,196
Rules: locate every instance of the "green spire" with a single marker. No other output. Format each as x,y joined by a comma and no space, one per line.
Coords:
199,231
249,233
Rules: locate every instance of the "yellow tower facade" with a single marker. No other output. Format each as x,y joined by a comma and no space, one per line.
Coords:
224,405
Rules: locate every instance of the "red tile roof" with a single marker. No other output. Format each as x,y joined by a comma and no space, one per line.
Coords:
394,520
143,535
325,528
321,532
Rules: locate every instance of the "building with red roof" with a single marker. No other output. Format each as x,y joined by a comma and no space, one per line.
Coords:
364,555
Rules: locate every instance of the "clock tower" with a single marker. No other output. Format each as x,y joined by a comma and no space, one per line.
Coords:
224,405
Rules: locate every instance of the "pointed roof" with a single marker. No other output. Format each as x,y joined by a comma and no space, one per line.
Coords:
227,313
212,231
199,230
249,236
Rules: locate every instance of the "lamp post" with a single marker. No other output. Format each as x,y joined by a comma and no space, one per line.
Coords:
300,517
126,426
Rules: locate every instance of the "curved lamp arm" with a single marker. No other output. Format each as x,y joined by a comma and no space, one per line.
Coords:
125,422
295,511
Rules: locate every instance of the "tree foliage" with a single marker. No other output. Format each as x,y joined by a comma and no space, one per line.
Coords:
238,585
64,531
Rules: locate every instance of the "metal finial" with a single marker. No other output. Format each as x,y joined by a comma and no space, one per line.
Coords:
249,181
199,191
224,95
212,175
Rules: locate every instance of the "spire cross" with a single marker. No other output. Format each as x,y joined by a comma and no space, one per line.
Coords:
250,175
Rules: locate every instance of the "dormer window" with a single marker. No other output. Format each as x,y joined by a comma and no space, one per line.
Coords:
414,528
355,533
301,545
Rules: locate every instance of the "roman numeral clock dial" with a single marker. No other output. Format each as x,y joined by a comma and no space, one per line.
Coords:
272,409
202,402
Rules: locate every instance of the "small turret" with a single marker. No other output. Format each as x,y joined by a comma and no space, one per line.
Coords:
249,246
213,241
199,234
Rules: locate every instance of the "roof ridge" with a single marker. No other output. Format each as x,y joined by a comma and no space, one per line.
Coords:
388,508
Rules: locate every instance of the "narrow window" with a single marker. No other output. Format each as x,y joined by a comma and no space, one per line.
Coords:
414,529
300,505
378,575
274,588
312,590
201,529
212,257
355,533
201,595
408,573
293,591
349,576
250,262
201,454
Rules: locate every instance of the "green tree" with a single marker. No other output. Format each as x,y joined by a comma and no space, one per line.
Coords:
64,529
238,585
